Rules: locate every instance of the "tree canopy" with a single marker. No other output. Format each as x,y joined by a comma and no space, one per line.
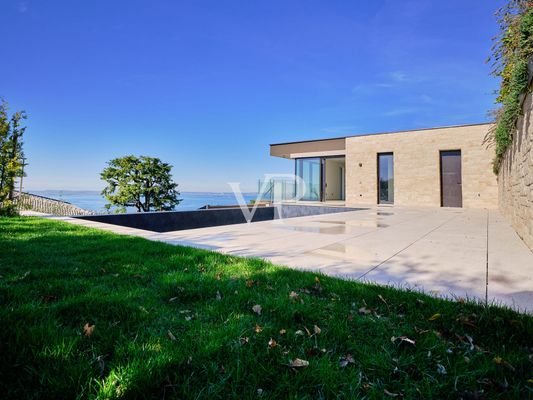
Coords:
11,155
141,182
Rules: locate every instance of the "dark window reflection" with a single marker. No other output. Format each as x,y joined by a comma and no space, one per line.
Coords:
386,178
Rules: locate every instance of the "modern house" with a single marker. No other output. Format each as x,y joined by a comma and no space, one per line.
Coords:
445,166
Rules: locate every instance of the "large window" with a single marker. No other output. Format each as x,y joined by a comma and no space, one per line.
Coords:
309,170
385,178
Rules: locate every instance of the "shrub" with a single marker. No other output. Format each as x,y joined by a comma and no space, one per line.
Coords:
512,51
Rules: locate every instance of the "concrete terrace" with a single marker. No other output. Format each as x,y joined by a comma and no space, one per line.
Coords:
443,251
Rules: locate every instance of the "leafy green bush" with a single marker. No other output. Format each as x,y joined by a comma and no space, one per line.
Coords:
512,51
8,209
11,156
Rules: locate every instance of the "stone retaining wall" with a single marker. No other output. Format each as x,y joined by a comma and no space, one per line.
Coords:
515,177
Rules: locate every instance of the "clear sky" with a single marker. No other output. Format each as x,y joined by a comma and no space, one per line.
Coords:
208,85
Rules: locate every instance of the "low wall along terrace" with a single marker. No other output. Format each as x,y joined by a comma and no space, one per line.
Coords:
167,221
515,177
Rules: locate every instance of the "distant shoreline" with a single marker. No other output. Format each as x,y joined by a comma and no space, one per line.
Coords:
93,200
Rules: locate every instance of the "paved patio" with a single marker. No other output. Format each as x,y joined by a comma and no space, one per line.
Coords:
446,252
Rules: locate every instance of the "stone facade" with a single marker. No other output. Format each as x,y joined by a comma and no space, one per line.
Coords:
515,178
417,166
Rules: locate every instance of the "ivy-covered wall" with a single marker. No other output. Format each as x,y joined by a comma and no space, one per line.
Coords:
515,175
513,50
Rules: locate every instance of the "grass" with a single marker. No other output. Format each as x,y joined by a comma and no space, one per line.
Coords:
176,322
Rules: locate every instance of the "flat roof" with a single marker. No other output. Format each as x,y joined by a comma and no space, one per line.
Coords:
383,133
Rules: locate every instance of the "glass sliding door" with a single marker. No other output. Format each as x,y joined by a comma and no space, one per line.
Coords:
310,172
334,178
385,178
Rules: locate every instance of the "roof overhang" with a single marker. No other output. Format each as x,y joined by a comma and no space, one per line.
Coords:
310,148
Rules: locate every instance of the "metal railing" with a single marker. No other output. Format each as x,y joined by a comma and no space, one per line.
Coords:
46,205
277,189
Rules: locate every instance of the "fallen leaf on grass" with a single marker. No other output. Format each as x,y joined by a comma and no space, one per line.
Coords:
315,289
299,332
466,320
471,342
171,336
441,369
298,363
485,382
257,309
390,394
500,361
383,300
23,276
317,330
295,297
282,331
244,340
421,331
364,311
272,343
402,339
88,329
434,317
258,328
250,283
346,360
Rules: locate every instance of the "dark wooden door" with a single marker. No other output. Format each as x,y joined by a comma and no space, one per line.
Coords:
450,179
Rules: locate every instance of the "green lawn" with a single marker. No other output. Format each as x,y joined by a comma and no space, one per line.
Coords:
175,322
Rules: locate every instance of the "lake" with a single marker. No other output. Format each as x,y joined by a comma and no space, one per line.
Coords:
93,200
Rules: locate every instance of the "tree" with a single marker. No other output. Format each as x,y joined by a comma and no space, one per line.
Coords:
141,182
11,156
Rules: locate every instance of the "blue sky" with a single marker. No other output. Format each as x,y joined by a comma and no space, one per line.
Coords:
208,85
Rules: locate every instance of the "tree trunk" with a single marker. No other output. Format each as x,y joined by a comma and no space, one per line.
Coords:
11,179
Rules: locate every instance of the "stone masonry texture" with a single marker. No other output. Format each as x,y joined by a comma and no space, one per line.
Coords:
515,177
417,166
